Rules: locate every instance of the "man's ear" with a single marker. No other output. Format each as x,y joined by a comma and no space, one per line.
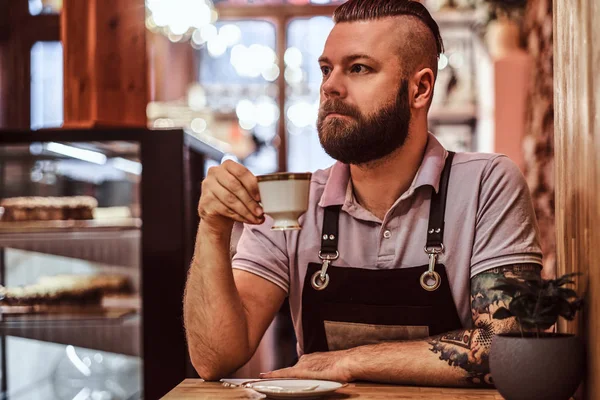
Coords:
422,84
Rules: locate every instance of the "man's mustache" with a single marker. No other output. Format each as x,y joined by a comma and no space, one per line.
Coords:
337,107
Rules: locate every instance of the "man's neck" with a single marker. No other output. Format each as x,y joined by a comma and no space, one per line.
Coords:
379,184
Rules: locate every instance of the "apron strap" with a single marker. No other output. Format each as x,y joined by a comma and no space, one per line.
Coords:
435,231
329,238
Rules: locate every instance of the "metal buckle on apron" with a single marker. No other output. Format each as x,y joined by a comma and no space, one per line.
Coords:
429,275
320,279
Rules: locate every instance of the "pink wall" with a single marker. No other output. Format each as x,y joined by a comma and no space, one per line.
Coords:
511,83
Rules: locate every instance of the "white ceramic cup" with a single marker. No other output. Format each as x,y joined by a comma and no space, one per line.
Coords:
284,197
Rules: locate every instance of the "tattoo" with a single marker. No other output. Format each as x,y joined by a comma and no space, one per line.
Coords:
469,348
459,338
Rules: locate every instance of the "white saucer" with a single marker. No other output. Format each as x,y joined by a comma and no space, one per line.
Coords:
294,388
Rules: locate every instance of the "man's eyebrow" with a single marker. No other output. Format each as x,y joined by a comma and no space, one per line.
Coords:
324,59
349,59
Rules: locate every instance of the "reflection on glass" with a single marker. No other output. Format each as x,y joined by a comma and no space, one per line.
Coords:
306,39
37,7
89,374
238,70
108,171
46,85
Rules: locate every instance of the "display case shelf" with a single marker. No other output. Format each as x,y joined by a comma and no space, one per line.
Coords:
115,335
70,226
118,246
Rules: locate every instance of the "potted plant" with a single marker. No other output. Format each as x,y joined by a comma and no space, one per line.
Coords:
535,363
499,22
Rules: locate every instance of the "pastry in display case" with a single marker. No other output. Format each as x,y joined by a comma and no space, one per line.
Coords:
47,208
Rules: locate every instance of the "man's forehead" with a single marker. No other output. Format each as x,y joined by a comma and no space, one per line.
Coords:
378,38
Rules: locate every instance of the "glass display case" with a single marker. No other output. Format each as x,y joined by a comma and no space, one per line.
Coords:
70,269
96,234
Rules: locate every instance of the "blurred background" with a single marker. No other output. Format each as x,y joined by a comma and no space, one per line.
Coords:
129,102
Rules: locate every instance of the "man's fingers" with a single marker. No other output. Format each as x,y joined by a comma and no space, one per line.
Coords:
216,208
233,205
245,177
224,194
280,373
233,185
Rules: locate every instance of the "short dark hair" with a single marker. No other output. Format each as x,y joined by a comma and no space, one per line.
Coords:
365,10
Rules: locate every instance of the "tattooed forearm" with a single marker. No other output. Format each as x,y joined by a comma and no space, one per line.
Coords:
469,349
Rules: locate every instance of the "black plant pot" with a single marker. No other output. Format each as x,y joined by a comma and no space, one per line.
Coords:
546,368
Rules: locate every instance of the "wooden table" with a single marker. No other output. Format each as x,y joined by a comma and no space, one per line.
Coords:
197,389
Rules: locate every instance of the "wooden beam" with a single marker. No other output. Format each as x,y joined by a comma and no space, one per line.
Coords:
105,63
282,148
4,20
172,68
577,144
42,28
19,31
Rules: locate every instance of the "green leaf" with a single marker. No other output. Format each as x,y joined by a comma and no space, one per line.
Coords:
566,279
526,324
511,286
552,309
542,323
565,309
509,290
535,283
502,313
538,303
567,293
522,306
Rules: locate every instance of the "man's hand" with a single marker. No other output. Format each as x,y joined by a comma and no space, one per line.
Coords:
331,365
229,193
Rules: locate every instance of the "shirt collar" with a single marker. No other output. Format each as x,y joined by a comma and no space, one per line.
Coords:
429,173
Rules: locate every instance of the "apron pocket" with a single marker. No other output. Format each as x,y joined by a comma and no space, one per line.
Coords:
346,335
352,325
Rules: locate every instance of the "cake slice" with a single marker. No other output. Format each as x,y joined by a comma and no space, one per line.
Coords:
18,209
65,289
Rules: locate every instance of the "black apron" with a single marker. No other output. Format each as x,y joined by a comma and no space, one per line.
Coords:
349,307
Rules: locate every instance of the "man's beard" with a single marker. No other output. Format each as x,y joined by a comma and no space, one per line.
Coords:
358,139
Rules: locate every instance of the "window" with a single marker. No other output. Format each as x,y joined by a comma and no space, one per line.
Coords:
37,7
31,83
46,85
305,25
238,69
306,40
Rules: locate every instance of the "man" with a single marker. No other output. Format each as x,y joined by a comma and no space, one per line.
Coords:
367,302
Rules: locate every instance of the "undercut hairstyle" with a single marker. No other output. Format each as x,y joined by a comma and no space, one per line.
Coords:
422,43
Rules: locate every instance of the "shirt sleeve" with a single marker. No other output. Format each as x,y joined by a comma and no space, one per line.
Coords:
263,252
506,229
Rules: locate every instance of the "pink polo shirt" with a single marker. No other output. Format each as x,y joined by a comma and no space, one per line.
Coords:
490,222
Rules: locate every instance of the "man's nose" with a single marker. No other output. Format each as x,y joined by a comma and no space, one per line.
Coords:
334,86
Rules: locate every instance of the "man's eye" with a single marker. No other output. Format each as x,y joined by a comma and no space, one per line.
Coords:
359,69
325,70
